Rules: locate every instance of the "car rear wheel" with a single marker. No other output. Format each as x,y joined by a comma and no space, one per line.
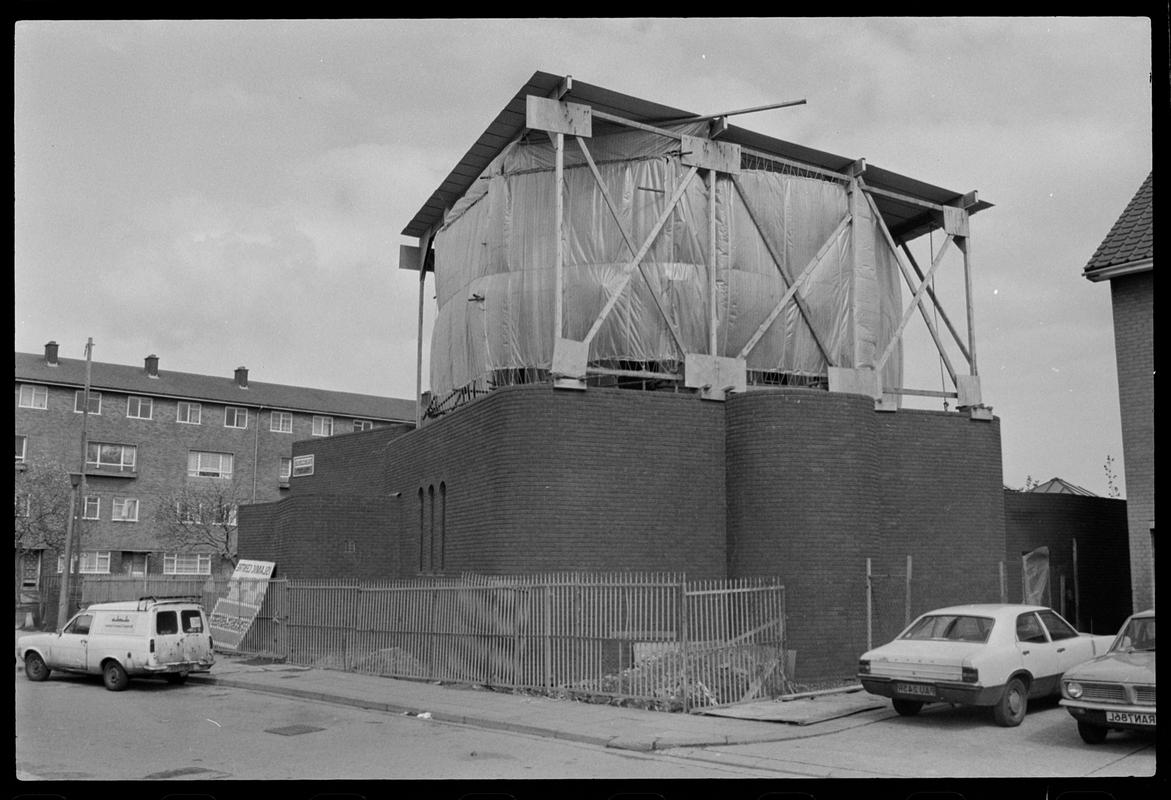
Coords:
175,677
1091,734
115,677
907,708
1013,705
35,667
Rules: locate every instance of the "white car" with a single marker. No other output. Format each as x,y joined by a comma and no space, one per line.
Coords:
164,636
1115,691
991,654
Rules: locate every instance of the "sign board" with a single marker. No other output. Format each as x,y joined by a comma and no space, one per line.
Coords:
233,614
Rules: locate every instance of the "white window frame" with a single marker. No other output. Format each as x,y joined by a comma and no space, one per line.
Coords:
192,563
277,420
235,413
197,468
22,453
320,424
302,466
286,468
142,401
193,410
79,398
124,464
93,562
96,502
363,425
37,396
125,509
187,513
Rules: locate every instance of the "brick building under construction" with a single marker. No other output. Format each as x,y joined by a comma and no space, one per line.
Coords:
665,342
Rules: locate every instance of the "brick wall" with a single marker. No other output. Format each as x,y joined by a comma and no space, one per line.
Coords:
818,483
1133,303
536,479
322,536
348,463
1098,525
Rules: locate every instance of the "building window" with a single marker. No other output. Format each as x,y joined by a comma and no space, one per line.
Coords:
209,465
302,466
186,513
93,507
95,402
189,413
21,448
186,564
286,468
92,562
125,509
139,407
33,396
235,417
363,425
120,457
323,426
280,422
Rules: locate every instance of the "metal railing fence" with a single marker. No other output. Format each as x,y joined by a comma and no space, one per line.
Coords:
658,638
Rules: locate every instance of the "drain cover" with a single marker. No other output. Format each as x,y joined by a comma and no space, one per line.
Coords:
293,730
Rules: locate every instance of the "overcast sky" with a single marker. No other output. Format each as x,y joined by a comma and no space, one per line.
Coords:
228,194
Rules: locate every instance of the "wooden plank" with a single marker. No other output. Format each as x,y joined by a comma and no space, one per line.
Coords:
706,154
553,116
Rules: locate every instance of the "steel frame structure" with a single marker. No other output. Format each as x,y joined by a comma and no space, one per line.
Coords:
709,374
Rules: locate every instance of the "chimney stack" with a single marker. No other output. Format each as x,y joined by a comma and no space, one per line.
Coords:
51,354
152,366
242,377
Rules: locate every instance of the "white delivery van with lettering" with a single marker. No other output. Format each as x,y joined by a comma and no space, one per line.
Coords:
152,636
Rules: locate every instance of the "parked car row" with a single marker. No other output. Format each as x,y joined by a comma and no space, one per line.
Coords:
994,655
1002,655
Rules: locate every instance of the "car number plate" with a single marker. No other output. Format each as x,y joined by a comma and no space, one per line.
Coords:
1130,718
917,689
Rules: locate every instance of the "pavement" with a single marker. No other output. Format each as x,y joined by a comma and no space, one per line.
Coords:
598,724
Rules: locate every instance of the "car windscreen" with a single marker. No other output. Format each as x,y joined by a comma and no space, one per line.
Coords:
950,627
1139,634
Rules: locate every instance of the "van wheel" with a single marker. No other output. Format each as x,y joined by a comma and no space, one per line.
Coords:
907,708
115,677
35,667
1091,734
1013,705
175,677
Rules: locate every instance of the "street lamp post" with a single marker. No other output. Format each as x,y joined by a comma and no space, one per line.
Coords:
63,599
76,481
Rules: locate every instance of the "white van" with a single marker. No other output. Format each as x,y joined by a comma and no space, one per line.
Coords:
163,636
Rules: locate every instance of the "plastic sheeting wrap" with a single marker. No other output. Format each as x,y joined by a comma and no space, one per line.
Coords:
496,252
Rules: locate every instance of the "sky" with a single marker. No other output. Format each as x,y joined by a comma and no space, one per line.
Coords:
231,193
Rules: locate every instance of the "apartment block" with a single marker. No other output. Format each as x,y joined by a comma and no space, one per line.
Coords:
162,460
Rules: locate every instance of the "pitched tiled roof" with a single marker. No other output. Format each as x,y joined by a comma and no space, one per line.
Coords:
1132,239
134,380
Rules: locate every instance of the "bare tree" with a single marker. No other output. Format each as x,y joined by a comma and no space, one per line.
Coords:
202,515
42,506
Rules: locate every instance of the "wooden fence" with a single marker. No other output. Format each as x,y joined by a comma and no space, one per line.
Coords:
658,638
